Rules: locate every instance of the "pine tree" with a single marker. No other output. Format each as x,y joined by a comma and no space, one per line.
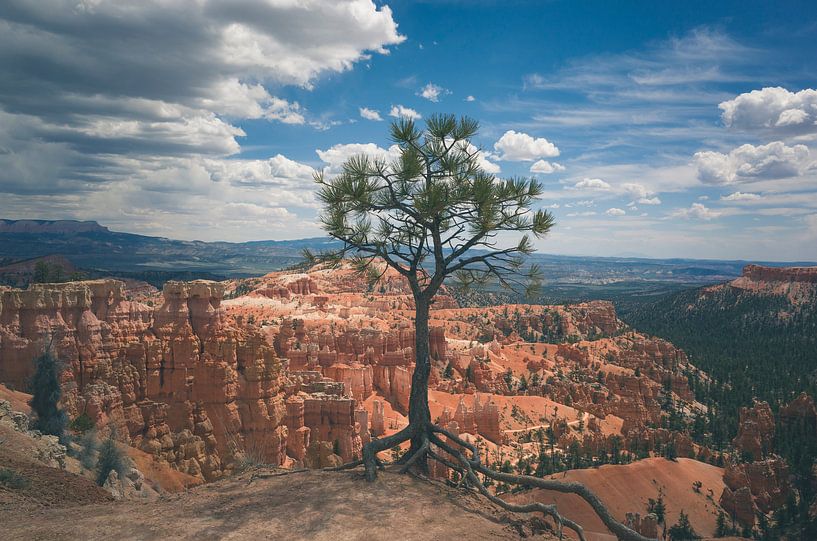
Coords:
434,215
40,272
110,459
721,528
683,530
657,508
45,396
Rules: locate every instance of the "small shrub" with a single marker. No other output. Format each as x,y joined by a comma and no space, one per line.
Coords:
89,445
82,423
12,479
110,459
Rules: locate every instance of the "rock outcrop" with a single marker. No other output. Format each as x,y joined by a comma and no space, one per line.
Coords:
180,381
755,431
757,486
780,274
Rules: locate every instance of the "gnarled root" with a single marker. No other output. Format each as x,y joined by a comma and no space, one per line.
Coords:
468,468
474,465
370,450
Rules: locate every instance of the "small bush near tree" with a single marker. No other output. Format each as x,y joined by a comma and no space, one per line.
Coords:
82,423
110,459
89,446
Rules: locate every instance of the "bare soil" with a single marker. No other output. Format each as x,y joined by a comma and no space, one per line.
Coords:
310,505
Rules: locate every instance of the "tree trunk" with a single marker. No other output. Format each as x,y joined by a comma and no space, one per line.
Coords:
419,413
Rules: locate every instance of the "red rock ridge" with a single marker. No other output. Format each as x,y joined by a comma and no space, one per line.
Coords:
780,274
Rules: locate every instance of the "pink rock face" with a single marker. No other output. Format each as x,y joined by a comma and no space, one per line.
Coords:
378,419
356,377
179,382
780,274
646,526
755,430
333,420
766,482
63,315
480,418
801,408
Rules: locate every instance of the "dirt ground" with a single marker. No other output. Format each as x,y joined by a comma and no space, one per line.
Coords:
310,505
626,488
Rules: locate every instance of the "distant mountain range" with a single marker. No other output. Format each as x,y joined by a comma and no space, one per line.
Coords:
98,251
90,246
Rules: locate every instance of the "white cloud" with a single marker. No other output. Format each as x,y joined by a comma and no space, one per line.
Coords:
591,184
276,171
640,194
773,109
145,104
698,211
398,111
748,162
615,212
284,111
546,167
470,98
585,213
337,155
649,201
432,92
740,196
634,190
370,114
483,161
515,146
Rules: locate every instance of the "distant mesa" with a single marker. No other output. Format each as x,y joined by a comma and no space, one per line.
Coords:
50,226
760,273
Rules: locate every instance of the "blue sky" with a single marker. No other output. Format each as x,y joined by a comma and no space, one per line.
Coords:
664,129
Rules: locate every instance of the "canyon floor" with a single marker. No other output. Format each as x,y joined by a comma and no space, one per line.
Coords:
309,505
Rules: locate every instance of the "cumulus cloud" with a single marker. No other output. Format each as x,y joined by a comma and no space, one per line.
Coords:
96,93
748,162
433,92
740,196
276,171
546,167
370,114
615,212
772,108
398,111
640,194
470,98
591,184
484,162
337,155
696,211
514,146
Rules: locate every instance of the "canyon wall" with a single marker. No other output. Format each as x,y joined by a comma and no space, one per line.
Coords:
179,381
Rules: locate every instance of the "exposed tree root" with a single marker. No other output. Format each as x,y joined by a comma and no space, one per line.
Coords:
469,467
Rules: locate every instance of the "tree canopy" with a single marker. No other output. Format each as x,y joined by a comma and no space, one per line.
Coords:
433,211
